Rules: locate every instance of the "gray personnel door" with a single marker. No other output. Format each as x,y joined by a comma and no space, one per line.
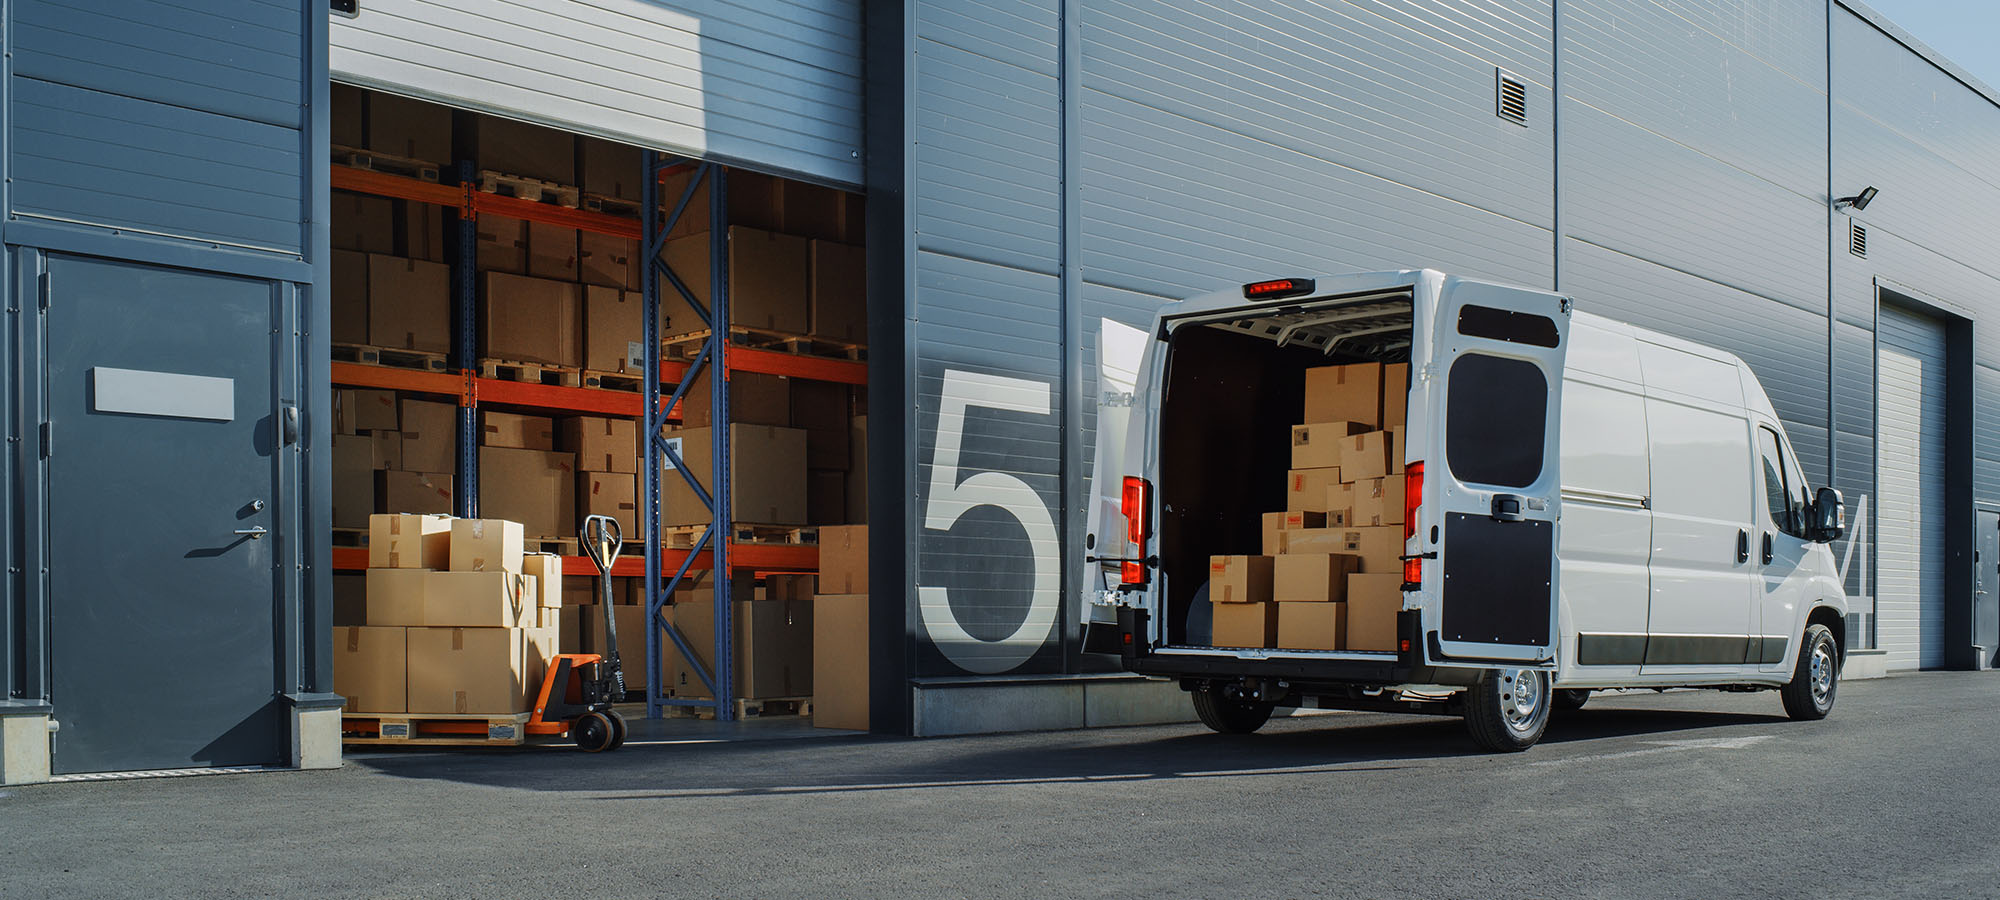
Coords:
1986,588
162,451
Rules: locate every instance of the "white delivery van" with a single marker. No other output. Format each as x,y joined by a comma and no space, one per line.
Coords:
1589,505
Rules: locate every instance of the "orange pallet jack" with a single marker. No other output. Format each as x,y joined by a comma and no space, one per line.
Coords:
579,689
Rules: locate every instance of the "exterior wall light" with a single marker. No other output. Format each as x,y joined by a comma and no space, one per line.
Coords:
1858,201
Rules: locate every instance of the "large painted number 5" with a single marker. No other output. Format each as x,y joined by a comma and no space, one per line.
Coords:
950,499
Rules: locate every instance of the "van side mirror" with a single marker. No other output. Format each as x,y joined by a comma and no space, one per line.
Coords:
1829,516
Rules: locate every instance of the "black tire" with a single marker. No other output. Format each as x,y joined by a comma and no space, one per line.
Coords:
1230,715
1815,678
617,730
1501,716
1571,699
592,732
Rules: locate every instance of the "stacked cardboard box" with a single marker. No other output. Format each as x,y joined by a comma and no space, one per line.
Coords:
840,630
390,456
522,477
795,264
607,477
1330,573
456,619
772,640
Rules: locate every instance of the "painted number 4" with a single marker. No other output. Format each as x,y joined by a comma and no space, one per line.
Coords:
951,498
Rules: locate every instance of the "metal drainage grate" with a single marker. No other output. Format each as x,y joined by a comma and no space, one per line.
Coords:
1857,240
165,773
1512,103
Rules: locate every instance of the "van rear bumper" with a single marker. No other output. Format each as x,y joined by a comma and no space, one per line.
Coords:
1303,674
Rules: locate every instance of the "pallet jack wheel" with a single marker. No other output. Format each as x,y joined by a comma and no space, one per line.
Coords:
617,730
593,732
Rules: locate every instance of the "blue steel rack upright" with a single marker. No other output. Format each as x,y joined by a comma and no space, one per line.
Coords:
657,223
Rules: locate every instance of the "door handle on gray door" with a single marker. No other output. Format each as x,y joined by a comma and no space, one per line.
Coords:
1742,545
256,532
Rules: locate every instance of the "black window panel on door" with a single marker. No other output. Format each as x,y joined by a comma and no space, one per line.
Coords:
1507,325
1496,419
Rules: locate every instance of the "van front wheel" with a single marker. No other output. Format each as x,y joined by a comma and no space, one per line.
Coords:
1230,715
1816,678
1508,709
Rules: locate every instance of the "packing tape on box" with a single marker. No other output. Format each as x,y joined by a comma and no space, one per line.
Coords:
478,528
395,524
395,559
458,641
353,639
458,703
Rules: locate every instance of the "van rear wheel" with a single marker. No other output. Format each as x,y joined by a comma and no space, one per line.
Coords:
1571,698
1508,709
1816,677
1230,715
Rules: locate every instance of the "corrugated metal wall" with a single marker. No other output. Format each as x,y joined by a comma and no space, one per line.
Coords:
771,84
1675,171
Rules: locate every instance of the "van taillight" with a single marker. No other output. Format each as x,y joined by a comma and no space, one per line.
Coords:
1413,498
1134,501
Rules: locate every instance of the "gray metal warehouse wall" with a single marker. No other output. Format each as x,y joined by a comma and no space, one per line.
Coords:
1071,161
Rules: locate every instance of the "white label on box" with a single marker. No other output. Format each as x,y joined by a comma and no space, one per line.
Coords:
635,354
666,461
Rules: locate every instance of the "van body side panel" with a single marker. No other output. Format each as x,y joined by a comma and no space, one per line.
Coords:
1607,528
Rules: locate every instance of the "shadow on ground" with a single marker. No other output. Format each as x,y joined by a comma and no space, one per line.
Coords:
1336,744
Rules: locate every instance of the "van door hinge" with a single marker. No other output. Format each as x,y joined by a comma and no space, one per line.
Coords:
48,438
1567,304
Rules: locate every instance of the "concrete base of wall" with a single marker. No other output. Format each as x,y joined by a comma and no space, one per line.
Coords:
1044,703
316,738
24,749
1862,665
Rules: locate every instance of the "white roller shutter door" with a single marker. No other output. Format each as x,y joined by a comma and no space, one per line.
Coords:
771,84
1910,461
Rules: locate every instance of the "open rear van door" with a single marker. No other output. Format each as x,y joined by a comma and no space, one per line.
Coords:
1492,479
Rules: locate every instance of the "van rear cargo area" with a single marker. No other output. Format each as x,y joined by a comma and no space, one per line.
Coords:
1280,475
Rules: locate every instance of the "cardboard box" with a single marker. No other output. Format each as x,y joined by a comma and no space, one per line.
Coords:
826,497
368,410
363,223
412,129
754,399
387,450
480,599
524,150
838,292
843,559
1379,501
814,211
631,623
486,545
552,252
1239,579
1373,600
1312,577
611,494
414,492
532,320
1244,624
608,260
614,330
1365,456
423,231
840,661
569,635
1351,393
500,244
353,480
1306,489
601,444
754,199
536,488
476,671
350,599
396,596
349,303
580,591
519,432
773,647
547,570
768,286
611,168
1339,505
1311,626
1277,522
767,484
1395,395
346,115
1317,446
430,436
368,668
857,471
1396,451
1311,541
820,407
1380,547
398,541
409,304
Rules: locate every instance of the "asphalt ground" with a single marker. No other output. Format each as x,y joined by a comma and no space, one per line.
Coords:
1697,794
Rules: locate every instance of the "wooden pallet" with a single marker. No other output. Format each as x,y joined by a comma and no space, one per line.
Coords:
683,537
533,190
614,381
561,546
418,360
395,729
688,346
350,537
386,163
749,709
530,373
614,206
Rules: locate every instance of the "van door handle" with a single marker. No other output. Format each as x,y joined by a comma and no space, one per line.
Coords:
1767,548
1742,545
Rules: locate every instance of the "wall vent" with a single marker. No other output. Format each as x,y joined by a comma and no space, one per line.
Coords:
1512,102
1857,240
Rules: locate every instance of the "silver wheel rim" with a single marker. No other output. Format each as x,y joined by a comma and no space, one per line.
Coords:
1522,696
1822,673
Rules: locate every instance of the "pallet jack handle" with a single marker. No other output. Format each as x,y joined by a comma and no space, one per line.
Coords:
602,538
